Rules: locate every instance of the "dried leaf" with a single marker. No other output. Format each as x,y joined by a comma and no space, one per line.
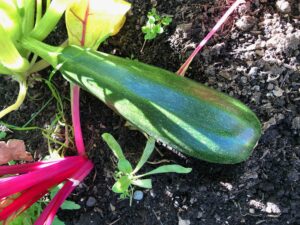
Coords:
13,150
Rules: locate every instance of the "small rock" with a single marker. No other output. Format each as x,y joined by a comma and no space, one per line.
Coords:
283,6
138,195
270,86
245,23
278,92
199,215
272,208
91,202
296,123
183,222
251,210
253,71
293,176
244,80
112,207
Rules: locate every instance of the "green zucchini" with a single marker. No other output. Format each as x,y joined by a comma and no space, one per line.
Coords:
177,111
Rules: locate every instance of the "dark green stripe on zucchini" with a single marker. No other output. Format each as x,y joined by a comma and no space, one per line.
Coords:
186,115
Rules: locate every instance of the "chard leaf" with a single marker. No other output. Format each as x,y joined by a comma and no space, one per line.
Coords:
113,145
144,183
90,22
121,185
146,154
167,169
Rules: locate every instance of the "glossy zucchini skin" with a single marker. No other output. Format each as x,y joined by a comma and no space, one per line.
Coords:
183,114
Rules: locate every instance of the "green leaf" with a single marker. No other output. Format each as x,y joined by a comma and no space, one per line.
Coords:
70,205
2,135
151,19
90,22
166,20
113,145
146,154
124,166
144,183
158,29
167,169
151,35
145,29
121,185
57,221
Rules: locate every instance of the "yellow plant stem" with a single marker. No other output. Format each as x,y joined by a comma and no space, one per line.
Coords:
21,96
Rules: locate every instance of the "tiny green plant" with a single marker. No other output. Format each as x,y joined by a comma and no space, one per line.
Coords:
155,25
126,177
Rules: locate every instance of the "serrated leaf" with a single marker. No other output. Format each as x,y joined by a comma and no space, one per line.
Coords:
144,183
158,29
166,21
146,154
151,19
168,169
113,145
70,205
124,166
121,185
90,22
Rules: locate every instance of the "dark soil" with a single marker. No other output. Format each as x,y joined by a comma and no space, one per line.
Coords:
255,58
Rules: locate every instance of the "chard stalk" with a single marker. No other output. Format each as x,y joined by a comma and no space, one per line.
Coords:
21,97
184,67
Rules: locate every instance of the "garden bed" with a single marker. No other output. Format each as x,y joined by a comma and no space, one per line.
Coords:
255,58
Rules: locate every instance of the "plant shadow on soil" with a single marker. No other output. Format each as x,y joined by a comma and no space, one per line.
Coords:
243,63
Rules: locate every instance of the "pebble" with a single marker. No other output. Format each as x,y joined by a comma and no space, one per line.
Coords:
91,202
245,23
253,71
138,195
296,123
270,86
272,208
283,6
278,92
183,222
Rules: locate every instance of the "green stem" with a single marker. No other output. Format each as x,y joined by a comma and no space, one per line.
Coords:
28,23
47,52
50,19
10,56
20,99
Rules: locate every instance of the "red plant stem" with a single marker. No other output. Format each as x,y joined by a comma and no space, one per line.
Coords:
84,24
75,107
76,92
48,214
26,199
27,167
57,173
184,67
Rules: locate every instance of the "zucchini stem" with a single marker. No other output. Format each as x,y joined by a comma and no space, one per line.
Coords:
47,52
21,97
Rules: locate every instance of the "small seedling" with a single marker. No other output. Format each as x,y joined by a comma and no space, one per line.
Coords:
155,25
126,176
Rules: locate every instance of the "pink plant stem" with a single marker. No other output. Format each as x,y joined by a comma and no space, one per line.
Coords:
184,67
75,105
48,214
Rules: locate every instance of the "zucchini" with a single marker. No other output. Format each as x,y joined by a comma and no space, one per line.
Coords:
179,112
